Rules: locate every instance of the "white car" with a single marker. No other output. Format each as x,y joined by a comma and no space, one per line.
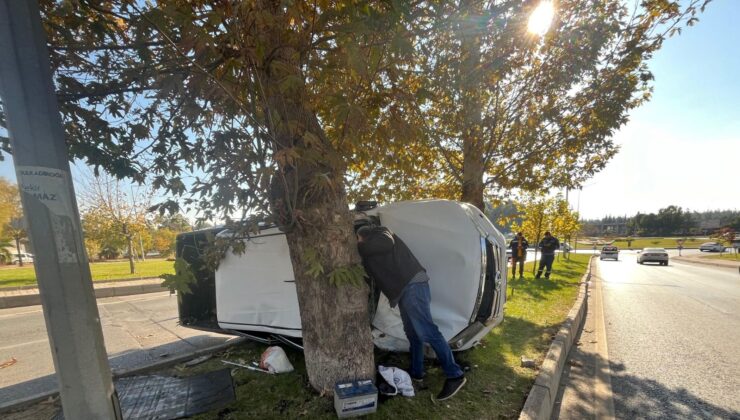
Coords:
711,247
27,258
254,295
658,255
609,252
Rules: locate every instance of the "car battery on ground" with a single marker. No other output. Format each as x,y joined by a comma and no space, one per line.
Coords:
355,398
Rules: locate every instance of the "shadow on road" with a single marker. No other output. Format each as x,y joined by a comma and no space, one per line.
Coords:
642,398
127,359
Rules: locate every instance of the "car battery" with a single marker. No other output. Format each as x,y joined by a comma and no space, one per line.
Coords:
355,398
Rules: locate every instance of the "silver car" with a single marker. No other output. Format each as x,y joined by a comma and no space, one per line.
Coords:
609,252
712,247
658,255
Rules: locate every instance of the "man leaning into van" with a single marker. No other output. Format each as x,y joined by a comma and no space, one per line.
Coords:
405,283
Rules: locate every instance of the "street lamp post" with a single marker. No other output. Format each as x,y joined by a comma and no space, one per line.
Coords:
47,194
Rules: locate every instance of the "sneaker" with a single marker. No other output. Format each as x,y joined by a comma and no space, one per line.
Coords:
450,388
419,379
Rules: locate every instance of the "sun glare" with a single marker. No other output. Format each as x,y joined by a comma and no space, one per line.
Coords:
541,18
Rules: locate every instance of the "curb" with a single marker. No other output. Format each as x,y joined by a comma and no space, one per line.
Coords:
32,286
541,398
713,264
102,292
21,403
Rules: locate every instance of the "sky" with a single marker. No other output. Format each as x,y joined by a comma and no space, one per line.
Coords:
681,148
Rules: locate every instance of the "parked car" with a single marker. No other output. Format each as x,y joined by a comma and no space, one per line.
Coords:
254,294
711,247
658,255
27,258
609,252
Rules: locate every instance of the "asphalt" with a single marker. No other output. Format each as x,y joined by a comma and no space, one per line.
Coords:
139,330
672,335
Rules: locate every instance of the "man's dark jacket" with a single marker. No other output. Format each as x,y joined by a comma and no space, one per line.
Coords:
389,261
549,245
514,245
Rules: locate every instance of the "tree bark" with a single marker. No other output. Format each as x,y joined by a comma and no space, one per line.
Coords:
308,196
471,104
18,250
141,244
130,243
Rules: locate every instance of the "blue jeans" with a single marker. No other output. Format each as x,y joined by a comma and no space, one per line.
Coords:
546,263
417,323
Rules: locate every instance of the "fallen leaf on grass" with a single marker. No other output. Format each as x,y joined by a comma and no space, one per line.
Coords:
8,363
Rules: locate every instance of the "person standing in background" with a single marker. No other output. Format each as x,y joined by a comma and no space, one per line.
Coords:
518,247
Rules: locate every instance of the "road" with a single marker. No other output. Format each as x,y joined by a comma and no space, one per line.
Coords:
138,330
672,336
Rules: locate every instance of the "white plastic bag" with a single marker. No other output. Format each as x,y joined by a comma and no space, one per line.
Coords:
275,360
398,379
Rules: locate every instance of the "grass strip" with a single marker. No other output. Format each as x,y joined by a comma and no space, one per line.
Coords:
497,385
729,255
25,276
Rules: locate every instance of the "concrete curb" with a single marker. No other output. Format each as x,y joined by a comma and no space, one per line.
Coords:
712,263
31,286
15,301
21,403
541,398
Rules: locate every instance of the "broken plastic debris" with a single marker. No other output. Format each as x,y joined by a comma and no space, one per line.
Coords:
246,366
197,360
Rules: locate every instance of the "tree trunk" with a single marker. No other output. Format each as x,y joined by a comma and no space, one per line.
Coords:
336,327
308,196
471,104
18,250
130,243
141,245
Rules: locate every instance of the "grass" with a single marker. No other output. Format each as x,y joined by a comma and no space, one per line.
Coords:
640,243
729,255
25,276
497,385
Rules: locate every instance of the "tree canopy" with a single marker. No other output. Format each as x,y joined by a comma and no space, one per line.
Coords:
493,108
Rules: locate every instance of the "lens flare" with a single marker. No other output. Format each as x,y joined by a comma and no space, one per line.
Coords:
541,18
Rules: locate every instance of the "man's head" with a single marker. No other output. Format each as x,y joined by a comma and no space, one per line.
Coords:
363,232
520,234
547,234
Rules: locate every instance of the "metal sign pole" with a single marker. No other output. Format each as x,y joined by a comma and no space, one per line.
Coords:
47,194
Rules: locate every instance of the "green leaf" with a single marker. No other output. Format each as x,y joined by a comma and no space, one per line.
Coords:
183,278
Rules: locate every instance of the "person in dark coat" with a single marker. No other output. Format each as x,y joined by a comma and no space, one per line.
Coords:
547,246
518,247
403,280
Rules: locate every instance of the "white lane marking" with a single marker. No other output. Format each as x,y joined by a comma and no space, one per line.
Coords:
45,340
603,386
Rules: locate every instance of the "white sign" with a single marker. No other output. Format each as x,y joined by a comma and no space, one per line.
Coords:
52,189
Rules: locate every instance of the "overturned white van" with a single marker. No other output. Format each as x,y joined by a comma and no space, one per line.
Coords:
254,295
